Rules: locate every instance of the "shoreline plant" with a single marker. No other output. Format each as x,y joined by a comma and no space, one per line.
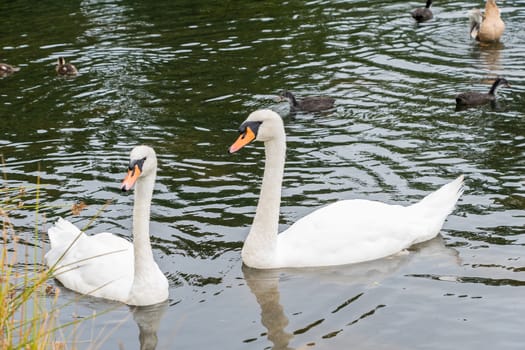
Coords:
29,305
29,308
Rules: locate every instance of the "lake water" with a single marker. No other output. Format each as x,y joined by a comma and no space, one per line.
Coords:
181,76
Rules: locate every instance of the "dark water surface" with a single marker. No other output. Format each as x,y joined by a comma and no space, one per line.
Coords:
182,75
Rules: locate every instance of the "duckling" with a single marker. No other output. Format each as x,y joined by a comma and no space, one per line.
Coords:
307,104
487,26
64,68
6,69
472,98
422,14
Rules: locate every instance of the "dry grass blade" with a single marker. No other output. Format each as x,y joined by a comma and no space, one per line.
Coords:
29,309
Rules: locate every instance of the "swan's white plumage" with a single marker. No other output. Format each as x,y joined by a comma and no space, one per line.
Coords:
351,231
344,232
100,265
108,266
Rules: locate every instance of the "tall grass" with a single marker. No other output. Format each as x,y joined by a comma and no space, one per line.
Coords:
28,316
29,308
28,304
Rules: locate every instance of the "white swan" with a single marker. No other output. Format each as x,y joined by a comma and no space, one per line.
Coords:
107,266
344,232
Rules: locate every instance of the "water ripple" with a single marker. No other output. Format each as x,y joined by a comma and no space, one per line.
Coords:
182,78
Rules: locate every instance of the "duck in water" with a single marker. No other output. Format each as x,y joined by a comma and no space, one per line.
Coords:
64,68
307,104
6,69
423,13
488,26
472,98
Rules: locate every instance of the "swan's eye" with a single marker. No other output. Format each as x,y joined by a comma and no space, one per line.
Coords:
253,126
138,162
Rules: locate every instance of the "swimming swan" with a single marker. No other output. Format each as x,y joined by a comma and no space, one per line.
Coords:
344,232
105,265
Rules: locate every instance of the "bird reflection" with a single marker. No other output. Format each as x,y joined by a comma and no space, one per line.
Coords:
148,320
264,284
490,54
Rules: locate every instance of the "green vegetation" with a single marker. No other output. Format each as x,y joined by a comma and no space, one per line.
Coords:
25,320
28,308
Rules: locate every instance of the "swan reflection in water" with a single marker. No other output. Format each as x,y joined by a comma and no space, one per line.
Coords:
111,316
148,320
264,284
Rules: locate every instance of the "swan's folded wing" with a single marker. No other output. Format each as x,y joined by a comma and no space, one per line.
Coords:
347,232
100,265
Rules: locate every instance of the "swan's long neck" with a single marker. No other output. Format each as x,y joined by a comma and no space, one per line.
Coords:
260,245
143,254
149,286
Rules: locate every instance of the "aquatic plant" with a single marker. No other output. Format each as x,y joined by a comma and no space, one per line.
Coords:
29,307
28,311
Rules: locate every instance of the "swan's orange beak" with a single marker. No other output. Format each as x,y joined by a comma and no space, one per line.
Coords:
243,139
131,178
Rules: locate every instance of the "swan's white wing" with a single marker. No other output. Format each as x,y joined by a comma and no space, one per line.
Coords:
100,265
361,230
346,232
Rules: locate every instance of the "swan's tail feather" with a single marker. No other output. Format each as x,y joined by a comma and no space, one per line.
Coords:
475,19
62,233
435,207
442,201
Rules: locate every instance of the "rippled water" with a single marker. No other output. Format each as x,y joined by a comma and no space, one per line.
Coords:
181,76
